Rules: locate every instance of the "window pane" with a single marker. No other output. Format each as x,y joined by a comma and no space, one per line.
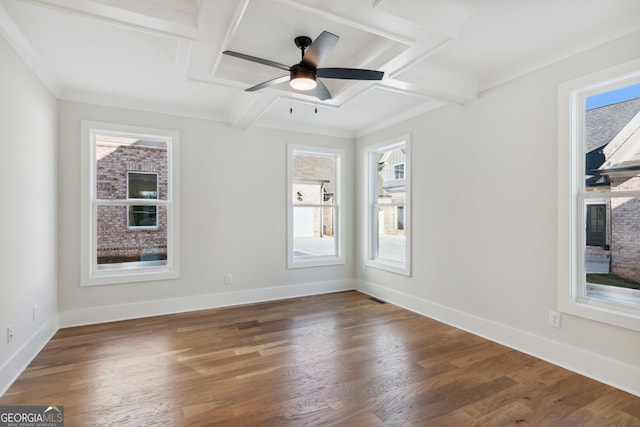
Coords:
314,179
313,192
143,185
121,247
400,217
313,232
120,159
613,269
142,216
391,241
398,171
391,175
611,148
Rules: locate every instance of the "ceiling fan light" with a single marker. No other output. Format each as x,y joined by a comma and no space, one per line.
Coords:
302,78
303,83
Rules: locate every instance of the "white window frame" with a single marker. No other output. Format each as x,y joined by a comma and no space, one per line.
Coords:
371,170
90,274
572,196
324,260
129,207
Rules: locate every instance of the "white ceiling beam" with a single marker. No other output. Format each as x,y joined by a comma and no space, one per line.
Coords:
381,32
137,16
400,65
10,31
249,107
240,10
450,93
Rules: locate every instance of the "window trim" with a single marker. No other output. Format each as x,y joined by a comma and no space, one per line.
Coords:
571,103
90,275
339,217
371,195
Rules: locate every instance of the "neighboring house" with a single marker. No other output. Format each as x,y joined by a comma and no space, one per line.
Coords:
391,188
613,162
313,184
131,171
312,222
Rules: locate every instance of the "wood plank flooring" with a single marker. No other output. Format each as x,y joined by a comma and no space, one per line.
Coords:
338,359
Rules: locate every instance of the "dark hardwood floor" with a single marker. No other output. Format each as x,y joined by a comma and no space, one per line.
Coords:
337,359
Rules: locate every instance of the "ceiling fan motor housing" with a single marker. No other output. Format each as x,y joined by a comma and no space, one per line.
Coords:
300,71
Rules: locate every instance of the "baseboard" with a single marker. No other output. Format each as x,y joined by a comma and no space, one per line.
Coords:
111,313
597,367
18,362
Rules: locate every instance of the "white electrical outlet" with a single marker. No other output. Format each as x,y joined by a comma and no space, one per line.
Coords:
554,319
228,278
9,334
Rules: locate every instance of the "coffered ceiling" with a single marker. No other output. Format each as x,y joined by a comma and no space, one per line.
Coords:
165,55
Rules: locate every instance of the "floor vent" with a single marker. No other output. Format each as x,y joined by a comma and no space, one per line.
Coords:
379,301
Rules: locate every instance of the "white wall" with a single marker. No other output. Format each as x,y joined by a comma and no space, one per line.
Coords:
233,208
28,262
484,222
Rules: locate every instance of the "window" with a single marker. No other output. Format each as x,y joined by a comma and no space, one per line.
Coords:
129,206
315,216
142,185
400,217
398,171
599,196
388,200
596,224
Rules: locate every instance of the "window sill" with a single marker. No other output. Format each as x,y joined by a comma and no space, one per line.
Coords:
390,266
602,311
115,275
315,262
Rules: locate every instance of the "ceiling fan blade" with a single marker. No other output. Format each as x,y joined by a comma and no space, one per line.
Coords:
322,92
320,49
268,83
258,60
349,73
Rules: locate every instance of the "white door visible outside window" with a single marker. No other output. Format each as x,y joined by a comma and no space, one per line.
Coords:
303,222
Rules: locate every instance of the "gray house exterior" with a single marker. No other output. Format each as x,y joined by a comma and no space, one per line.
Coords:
136,171
613,163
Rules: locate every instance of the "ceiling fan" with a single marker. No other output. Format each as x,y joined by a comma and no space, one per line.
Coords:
303,76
